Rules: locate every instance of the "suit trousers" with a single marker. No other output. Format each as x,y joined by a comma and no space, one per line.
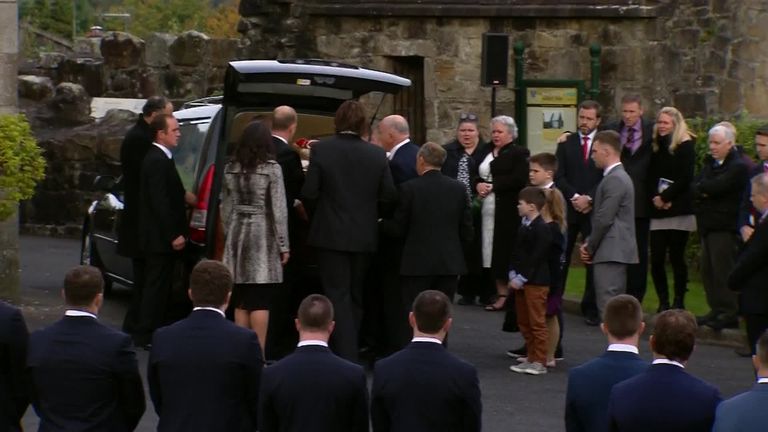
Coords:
131,321
155,295
610,281
411,287
342,275
673,241
756,324
531,305
637,274
718,256
588,302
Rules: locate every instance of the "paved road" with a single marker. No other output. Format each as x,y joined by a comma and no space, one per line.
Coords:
510,401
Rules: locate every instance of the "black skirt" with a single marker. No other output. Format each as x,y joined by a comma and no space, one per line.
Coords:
252,297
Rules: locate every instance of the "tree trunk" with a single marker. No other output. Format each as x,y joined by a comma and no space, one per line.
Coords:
9,229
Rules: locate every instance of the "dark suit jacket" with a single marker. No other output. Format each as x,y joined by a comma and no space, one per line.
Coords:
717,193
84,377
293,173
665,398
425,388
204,374
743,413
574,176
162,207
346,181
453,153
636,164
135,145
589,385
532,253
747,211
313,390
14,397
434,217
750,274
678,167
403,163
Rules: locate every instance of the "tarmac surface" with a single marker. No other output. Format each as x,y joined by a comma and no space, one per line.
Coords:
511,402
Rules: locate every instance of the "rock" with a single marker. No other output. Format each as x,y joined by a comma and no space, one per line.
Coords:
51,60
88,47
156,53
71,104
223,51
189,49
122,50
249,8
87,72
35,87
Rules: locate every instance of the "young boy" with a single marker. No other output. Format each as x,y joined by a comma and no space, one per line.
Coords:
541,170
529,279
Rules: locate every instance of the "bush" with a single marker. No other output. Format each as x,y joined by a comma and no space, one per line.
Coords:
22,164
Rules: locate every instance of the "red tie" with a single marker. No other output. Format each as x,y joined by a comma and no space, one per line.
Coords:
585,148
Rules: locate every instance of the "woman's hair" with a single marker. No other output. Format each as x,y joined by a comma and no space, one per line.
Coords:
508,122
680,131
255,146
554,207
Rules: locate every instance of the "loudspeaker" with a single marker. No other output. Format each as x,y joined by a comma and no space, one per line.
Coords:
495,59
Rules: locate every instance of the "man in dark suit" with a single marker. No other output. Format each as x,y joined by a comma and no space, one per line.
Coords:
225,397
347,180
162,225
313,390
394,137
424,387
577,177
84,375
746,412
589,385
13,356
748,214
282,333
750,274
434,218
636,135
611,246
132,151
665,398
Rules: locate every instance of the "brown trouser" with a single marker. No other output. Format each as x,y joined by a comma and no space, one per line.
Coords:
531,305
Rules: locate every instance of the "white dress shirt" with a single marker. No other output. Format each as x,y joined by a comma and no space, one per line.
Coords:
79,313
312,342
427,339
668,361
607,170
164,149
394,150
210,309
623,348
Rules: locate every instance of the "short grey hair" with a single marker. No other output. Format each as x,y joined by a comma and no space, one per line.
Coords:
760,185
507,121
398,124
727,133
433,154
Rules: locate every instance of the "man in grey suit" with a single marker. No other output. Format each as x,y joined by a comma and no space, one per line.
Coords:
611,245
746,412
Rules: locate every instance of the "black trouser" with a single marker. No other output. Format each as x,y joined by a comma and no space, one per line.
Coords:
342,275
412,286
672,242
155,296
637,274
718,256
756,325
131,321
588,300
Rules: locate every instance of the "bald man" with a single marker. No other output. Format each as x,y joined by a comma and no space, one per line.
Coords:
282,333
394,137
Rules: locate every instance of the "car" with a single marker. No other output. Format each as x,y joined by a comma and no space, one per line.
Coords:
252,89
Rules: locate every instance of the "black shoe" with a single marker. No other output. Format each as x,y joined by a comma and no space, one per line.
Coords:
466,301
559,356
519,352
743,351
723,322
704,320
592,321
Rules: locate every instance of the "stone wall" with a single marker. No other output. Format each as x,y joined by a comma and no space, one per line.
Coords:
703,56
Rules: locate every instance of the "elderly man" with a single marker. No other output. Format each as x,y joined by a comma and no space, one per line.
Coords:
394,137
750,275
717,194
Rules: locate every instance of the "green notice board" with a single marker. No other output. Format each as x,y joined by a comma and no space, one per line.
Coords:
549,109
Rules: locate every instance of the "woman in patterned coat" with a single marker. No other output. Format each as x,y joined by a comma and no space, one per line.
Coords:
255,220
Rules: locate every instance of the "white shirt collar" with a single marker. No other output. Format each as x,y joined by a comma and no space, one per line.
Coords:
164,149
280,138
607,170
623,348
210,309
548,185
668,361
397,147
427,339
310,342
79,313
762,380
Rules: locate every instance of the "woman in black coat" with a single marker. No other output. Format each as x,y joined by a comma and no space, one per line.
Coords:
672,220
503,173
